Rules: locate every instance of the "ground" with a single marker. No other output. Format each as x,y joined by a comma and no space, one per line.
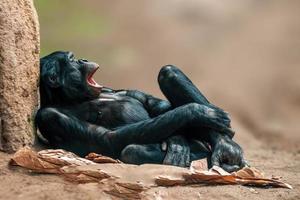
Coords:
244,56
17,183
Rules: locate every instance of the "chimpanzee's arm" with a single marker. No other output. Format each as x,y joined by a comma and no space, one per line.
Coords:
68,132
153,105
63,130
161,127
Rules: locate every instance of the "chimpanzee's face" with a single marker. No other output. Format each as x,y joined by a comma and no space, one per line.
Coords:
69,78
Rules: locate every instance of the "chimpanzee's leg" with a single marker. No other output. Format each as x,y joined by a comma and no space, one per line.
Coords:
178,88
180,91
174,151
139,154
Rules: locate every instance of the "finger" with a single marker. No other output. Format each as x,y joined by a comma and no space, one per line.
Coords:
219,112
228,131
215,159
226,122
222,114
219,116
230,168
244,163
217,108
214,107
219,122
222,128
223,119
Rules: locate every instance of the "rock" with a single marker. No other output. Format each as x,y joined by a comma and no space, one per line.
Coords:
19,72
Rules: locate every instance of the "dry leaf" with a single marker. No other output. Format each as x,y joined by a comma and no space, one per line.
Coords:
29,159
248,172
98,158
129,181
199,165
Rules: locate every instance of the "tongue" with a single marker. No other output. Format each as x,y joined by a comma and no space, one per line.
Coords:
93,83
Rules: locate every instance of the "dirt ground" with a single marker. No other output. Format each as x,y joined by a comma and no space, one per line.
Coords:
244,56
20,184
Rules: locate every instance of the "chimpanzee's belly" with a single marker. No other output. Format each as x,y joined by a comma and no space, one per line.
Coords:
117,110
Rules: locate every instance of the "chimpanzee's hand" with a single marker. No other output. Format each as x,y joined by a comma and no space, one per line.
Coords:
227,154
225,114
220,119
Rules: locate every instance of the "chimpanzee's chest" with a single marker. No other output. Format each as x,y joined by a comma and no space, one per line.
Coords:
114,110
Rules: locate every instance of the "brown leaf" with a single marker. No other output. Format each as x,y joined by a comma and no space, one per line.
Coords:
169,180
62,158
29,159
247,172
129,181
126,190
98,158
199,165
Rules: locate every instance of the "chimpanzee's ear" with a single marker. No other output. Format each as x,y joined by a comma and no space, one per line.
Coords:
50,73
53,80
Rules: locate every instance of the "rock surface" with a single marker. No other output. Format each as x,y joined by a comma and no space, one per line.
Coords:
19,72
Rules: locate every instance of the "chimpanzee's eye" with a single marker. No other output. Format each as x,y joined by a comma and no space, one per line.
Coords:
71,57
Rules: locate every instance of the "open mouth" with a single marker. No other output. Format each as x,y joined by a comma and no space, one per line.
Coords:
91,82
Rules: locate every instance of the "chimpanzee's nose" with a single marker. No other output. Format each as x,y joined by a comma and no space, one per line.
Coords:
82,61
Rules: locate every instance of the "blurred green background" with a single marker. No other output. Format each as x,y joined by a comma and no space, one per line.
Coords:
244,55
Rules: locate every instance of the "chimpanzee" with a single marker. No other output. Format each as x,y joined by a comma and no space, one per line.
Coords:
79,115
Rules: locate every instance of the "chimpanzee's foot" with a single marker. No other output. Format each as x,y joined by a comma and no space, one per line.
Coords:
141,154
